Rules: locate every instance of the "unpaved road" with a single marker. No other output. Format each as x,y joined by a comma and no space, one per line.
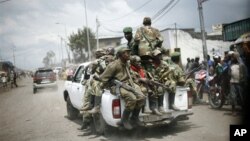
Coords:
28,117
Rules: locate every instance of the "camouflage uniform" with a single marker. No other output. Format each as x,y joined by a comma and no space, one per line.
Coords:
147,38
119,70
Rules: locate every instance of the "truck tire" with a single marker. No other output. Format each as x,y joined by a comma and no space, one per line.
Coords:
71,111
100,125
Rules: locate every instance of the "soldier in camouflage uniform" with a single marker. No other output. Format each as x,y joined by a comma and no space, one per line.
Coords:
91,88
128,34
147,38
179,77
162,74
98,67
139,76
119,70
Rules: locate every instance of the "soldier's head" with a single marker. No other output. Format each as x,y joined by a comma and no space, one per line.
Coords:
110,51
99,53
123,53
147,21
135,61
175,57
128,33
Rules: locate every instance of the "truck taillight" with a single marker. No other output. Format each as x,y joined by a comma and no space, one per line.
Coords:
116,108
190,99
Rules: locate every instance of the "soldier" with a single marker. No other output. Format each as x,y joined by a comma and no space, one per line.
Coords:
92,88
119,70
128,34
140,77
98,68
147,38
162,74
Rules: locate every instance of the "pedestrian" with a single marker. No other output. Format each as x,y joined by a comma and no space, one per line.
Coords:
188,65
238,75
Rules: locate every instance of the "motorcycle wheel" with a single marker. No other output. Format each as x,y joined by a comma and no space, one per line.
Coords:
216,99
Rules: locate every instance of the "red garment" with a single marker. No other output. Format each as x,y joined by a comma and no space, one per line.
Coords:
140,71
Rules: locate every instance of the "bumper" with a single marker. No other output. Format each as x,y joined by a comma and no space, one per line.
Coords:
151,120
47,85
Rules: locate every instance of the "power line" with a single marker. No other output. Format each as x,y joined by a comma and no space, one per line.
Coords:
162,10
115,19
4,1
159,17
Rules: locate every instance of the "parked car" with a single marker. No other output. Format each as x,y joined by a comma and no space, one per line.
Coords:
44,78
112,105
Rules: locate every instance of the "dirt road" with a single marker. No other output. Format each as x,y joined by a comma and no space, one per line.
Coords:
25,116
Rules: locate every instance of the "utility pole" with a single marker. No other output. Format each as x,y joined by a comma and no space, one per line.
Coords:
97,29
204,44
86,18
14,59
175,35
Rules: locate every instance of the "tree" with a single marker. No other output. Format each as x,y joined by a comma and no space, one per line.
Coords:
48,59
78,44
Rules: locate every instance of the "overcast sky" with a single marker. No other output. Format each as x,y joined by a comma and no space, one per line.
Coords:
29,26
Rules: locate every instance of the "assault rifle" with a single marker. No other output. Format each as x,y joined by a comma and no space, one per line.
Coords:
157,84
127,87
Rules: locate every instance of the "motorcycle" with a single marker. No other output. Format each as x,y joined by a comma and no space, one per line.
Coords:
216,96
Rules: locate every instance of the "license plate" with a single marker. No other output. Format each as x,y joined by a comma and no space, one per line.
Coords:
45,81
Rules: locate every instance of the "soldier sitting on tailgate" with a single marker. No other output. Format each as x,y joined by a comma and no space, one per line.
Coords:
162,74
119,70
139,76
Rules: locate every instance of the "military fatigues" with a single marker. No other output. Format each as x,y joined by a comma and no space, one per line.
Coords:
147,38
117,70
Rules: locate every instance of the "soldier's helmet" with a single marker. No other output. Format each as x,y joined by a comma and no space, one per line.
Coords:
122,50
147,21
99,53
110,51
135,59
127,30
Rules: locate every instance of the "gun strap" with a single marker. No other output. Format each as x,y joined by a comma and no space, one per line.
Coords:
130,79
150,44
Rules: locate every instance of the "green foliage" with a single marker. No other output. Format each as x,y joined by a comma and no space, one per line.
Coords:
78,44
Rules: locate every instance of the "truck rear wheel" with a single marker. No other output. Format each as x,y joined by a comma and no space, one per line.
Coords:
71,111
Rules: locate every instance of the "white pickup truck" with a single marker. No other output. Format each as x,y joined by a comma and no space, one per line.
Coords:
112,106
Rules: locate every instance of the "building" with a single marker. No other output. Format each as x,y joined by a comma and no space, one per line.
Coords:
234,30
106,42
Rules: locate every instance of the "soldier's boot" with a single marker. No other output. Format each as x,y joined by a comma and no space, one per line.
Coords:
135,118
160,104
171,102
146,106
153,104
96,109
84,126
125,119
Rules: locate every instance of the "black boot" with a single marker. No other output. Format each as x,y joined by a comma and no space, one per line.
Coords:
135,117
125,119
153,106
96,109
171,102
160,104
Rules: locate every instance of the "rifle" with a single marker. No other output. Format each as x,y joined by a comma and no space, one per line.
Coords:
127,87
157,84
